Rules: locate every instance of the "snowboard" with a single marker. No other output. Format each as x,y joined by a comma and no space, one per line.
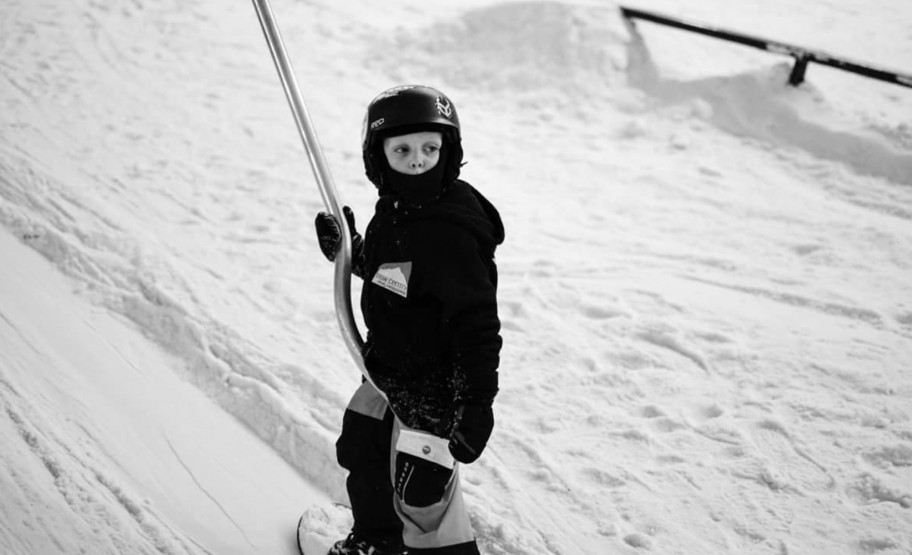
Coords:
322,526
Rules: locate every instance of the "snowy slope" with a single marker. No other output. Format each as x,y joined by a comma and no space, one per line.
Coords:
108,450
705,286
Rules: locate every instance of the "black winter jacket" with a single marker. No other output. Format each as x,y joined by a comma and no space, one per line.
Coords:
429,302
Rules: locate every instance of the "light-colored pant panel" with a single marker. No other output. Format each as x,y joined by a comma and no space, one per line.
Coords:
439,525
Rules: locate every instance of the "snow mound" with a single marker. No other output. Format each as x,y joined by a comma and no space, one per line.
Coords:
819,117
527,48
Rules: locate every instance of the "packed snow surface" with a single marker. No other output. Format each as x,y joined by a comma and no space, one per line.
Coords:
706,288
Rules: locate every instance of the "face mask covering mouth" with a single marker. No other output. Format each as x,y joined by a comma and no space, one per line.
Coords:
420,189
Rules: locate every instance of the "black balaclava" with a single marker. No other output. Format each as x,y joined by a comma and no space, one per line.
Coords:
417,190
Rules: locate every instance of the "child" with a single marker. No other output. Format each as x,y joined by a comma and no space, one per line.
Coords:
433,342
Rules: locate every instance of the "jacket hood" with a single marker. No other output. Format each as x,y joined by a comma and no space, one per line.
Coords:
465,206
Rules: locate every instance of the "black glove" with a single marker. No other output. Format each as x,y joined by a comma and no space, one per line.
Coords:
329,236
472,426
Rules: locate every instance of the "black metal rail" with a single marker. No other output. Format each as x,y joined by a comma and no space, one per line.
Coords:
802,56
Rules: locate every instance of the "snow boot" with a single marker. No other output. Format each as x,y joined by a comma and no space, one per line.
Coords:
355,545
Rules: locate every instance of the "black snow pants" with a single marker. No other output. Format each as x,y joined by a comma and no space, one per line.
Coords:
396,497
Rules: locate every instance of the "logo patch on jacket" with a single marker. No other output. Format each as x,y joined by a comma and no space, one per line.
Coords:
394,277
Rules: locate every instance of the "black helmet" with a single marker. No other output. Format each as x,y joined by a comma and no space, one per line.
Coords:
408,109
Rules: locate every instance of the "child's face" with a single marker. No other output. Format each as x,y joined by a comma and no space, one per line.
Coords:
415,153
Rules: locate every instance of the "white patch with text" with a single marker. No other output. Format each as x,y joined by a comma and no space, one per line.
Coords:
394,277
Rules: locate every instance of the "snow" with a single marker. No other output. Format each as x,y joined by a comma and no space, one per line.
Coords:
705,287
106,447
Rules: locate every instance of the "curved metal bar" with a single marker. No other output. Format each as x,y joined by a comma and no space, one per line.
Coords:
342,282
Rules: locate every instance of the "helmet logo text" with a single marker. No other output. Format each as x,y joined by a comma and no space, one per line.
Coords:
377,123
